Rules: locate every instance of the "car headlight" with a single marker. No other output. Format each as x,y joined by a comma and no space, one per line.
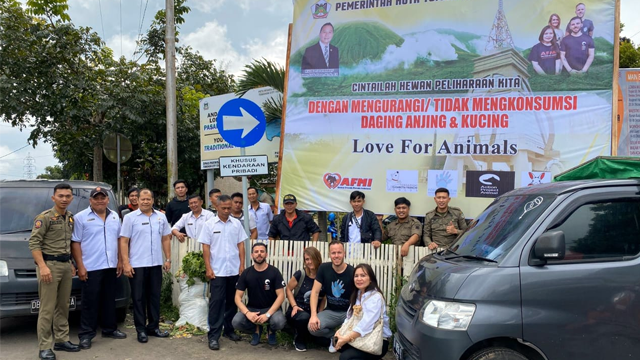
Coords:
448,315
4,269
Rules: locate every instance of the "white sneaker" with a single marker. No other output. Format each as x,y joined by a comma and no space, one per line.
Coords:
332,349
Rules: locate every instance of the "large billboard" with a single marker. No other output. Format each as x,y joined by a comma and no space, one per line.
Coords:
400,97
212,145
629,113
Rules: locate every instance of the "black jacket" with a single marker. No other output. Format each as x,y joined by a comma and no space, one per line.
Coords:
302,226
369,227
175,209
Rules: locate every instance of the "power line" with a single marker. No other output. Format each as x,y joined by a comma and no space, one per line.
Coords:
5,155
101,22
142,16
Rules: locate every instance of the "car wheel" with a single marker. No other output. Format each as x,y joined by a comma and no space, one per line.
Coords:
497,353
121,314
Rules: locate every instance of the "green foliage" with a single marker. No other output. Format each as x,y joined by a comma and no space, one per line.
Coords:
49,9
357,41
167,310
193,267
54,172
629,55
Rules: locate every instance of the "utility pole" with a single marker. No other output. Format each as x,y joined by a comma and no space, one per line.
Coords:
172,128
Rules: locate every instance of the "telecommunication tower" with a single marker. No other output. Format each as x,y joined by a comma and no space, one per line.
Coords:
29,167
500,36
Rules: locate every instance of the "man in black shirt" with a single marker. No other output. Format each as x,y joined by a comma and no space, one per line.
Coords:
336,280
180,204
293,224
265,292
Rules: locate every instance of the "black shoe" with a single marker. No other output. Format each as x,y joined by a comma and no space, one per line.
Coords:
142,337
115,334
66,346
85,344
47,355
159,333
233,336
214,345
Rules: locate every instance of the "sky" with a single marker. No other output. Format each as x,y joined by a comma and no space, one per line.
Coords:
233,32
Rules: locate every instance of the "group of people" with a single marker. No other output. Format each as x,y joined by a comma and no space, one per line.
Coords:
138,246
572,48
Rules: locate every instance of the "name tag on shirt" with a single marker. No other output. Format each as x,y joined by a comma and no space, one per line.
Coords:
216,232
145,223
90,219
190,224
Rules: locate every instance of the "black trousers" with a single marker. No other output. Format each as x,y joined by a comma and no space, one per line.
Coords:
348,352
145,295
98,303
300,322
222,306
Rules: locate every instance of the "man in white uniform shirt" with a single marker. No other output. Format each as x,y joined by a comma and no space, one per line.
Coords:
193,221
95,249
261,211
145,235
222,242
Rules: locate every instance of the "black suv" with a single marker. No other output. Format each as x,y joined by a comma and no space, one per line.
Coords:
20,202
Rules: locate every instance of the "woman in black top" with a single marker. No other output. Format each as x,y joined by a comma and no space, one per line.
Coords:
298,293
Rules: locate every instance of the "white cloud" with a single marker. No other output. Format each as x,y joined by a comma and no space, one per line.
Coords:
12,166
206,6
128,46
274,50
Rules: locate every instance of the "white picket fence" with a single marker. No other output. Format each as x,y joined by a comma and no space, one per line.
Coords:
287,256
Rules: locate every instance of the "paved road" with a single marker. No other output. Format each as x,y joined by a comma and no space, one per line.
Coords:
18,341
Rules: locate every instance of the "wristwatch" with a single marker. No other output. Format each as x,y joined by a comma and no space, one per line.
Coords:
168,260
268,315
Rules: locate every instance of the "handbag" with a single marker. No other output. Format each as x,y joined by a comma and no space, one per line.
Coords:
370,343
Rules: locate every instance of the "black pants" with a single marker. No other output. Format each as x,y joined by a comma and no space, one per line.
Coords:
348,352
98,303
222,306
300,322
145,293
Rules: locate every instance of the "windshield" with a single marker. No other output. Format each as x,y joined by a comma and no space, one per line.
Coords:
494,232
21,205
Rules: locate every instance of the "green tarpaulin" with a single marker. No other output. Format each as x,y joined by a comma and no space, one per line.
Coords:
603,167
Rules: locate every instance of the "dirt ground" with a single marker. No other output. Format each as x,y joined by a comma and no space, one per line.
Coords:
18,341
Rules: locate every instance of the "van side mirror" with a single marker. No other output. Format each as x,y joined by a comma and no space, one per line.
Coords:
549,246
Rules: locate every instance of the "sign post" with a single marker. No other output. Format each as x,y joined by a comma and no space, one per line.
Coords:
241,123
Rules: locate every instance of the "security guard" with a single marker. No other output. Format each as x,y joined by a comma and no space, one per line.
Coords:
144,236
443,224
50,247
405,230
95,249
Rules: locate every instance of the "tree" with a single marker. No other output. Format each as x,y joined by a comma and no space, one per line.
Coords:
53,172
629,54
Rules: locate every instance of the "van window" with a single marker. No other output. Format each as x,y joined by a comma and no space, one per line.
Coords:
603,230
21,205
499,228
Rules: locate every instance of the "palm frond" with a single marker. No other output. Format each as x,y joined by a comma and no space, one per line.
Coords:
260,73
273,108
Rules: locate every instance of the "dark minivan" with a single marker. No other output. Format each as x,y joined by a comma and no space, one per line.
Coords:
20,202
546,272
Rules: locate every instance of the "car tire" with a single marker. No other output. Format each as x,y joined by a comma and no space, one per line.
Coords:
121,314
497,353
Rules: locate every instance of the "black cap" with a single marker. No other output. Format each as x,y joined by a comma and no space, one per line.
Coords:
289,198
97,191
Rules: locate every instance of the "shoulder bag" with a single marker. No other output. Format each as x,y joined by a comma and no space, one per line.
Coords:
370,343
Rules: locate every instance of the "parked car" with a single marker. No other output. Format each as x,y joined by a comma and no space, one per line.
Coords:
545,272
20,202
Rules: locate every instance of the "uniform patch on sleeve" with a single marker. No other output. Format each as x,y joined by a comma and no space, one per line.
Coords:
37,224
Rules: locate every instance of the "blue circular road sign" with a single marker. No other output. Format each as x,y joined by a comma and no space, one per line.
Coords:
241,122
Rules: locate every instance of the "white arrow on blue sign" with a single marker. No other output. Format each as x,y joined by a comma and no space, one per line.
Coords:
241,122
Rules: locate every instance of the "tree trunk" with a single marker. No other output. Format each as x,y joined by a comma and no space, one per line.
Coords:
97,163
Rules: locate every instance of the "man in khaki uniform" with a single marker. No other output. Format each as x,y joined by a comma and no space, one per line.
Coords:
405,230
50,246
443,224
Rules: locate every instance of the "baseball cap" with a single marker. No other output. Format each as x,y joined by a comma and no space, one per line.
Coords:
289,198
97,191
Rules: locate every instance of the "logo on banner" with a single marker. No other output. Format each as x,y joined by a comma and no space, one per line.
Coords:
206,106
489,184
320,10
530,178
336,181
